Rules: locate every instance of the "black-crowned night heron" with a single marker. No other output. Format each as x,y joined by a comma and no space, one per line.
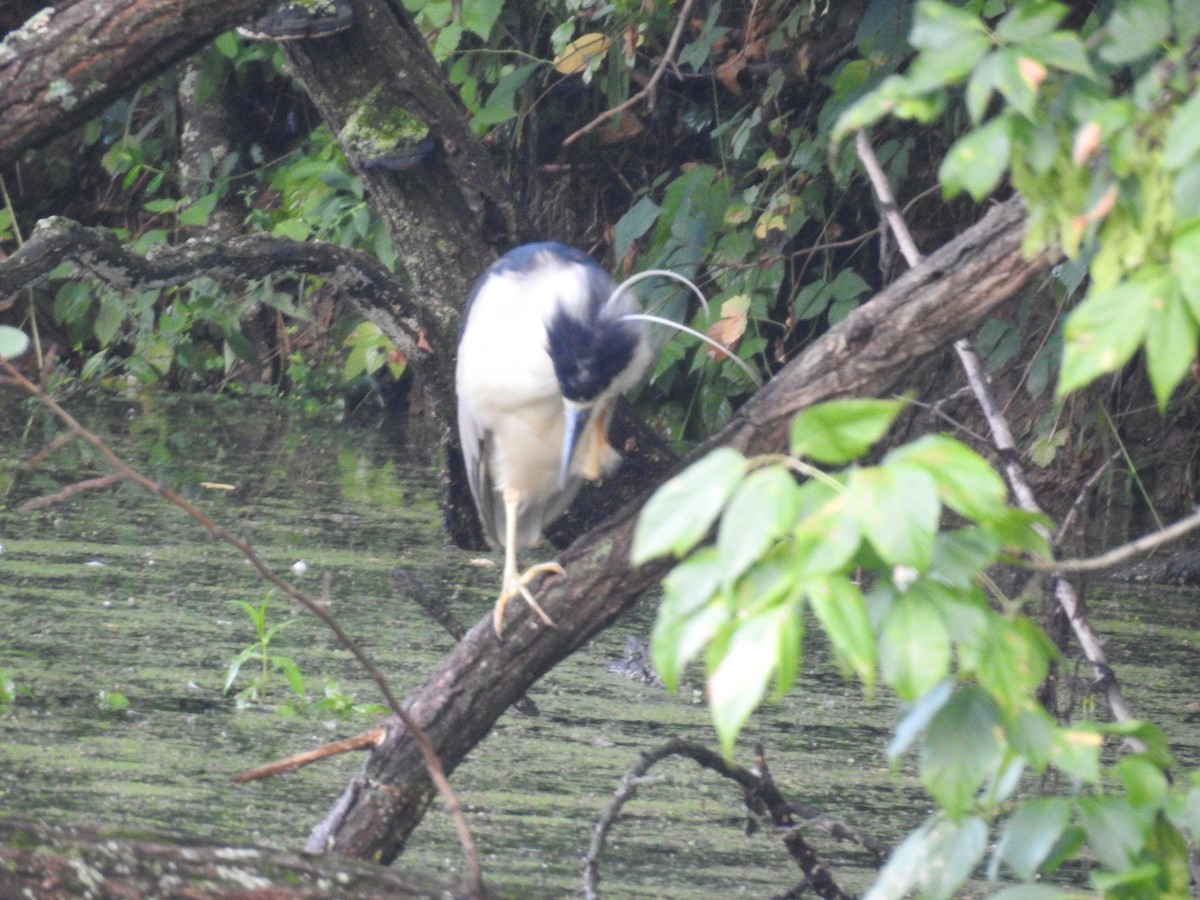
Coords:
546,347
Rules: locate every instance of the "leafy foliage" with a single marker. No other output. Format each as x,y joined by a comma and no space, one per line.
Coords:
888,560
1097,130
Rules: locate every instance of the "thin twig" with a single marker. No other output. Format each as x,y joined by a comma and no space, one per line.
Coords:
432,762
88,484
1082,496
1125,552
372,738
659,70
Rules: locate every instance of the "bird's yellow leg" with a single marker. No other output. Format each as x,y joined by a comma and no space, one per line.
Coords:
515,584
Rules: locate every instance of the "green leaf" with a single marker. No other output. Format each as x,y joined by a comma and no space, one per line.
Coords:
839,607
109,318
295,229
961,749
739,680
869,109
198,211
959,556
1076,753
918,717
287,667
500,105
1171,335
934,860
479,16
1115,830
980,85
161,205
13,342
236,666
638,219
790,638
227,44
947,65
1135,29
1028,20
938,25
977,161
1145,783
1030,834
686,619
966,482
1185,262
840,431
1184,810
1187,21
113,701
1183,137
1062,50
1013,662
826,539
914,647
897,509
1103,332
762,510
681,512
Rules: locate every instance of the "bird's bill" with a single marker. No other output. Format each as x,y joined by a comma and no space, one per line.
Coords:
576,423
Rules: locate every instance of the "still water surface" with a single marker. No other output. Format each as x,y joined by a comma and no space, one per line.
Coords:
114,593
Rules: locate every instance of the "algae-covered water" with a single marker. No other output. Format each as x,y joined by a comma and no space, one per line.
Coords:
118,622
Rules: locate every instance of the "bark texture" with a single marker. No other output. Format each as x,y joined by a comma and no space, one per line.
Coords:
64,66
57,861
866,354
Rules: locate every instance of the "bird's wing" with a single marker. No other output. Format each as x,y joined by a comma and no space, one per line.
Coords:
476,448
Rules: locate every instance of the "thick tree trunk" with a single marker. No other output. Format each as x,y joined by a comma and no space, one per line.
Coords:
64,66
451,214
868,353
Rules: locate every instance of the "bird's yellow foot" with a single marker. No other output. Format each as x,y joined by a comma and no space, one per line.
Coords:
515,585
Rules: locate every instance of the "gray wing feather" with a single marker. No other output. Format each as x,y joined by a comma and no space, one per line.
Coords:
476,447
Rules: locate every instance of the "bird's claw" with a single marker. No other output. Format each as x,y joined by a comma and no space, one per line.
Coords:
517,585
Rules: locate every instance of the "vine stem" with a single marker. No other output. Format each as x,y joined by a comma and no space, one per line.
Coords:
432,763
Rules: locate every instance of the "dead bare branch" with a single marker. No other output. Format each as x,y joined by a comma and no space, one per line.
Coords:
89,484
759,794
371,738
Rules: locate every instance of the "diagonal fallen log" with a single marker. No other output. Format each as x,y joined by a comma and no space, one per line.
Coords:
868,353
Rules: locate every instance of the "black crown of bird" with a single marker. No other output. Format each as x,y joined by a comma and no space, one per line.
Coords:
548,342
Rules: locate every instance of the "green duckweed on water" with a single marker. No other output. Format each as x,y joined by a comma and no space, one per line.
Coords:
113,593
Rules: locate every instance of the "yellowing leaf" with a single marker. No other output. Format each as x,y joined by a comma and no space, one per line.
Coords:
728,329
768,223
578,54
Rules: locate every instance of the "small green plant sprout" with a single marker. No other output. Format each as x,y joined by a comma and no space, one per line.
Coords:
8,689
890,561
268,662
341,704
112,701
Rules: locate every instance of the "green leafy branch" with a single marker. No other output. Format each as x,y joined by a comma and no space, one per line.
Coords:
863,551
1099,130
